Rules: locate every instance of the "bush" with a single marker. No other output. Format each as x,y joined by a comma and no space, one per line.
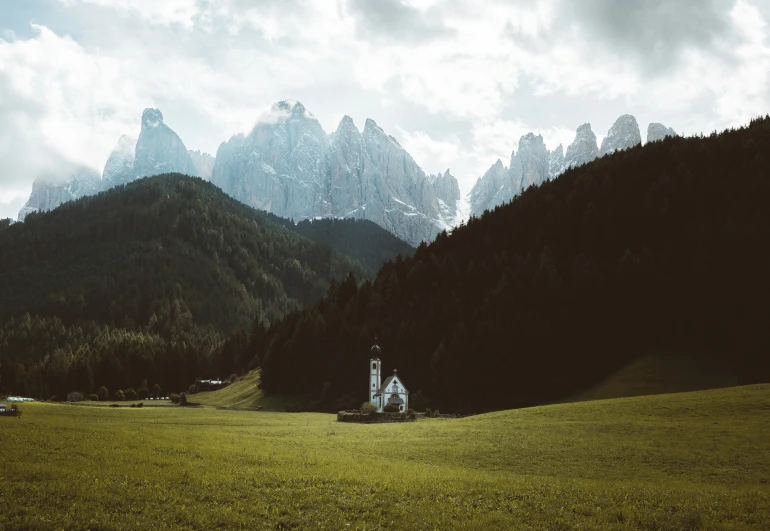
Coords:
93,397
436,413
103,393
143,393
174,398
183,399
119,395
130,394
411,413
391,408
232,378
140,404
428,412
193,389
157,392
54,398
367,408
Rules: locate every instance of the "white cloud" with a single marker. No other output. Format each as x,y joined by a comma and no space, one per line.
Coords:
468,78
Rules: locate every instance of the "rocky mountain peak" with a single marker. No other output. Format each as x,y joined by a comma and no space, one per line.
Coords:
623,134
583,149
151,118
119,168
159,149
556,162
47,195
657,131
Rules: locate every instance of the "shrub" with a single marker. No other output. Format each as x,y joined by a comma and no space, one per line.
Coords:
114,405
367,408
174,398
183,399
156,391
143,393
103,393
93,397
140,404
193,389
54,398
119,395
130,394
391,408
436,413
232,378
411,413
428,412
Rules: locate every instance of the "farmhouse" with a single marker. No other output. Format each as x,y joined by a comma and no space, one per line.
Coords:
392,391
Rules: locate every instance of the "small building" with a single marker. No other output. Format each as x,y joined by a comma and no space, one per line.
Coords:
392,391
3,407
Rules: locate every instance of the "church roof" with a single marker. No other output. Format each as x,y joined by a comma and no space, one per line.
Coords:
375,351
386,383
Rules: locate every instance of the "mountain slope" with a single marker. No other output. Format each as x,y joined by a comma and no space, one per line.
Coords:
129,253
655,247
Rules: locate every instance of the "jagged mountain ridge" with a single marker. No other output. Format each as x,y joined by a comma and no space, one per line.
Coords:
290,167
533,163
157,150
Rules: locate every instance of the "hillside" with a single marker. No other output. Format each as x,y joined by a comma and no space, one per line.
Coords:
171,266
670,462
360,239
654,248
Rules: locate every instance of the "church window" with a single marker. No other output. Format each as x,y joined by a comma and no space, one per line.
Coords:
374,366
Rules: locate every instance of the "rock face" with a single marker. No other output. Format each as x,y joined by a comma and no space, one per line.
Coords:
583,149
623,134
656,131
47,195
556,162
203,162
529,166
119,168
159,149
287,165
493,188
532,160
279,166
448,193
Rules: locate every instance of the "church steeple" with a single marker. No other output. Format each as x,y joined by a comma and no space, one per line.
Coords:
375,372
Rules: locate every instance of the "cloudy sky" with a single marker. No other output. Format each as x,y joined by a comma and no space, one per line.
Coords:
457,82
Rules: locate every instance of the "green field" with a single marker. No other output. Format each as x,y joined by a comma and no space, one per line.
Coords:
696,460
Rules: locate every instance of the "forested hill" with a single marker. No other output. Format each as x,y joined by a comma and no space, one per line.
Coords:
360,239
163,260
656,247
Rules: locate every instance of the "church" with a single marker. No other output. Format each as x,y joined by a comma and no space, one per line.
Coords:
392,391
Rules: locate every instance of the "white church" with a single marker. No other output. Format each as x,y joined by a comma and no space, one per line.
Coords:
392,391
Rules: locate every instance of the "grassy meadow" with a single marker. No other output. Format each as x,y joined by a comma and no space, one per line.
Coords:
697,460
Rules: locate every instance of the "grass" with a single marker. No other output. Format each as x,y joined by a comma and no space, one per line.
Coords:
664,372
244,393
696,460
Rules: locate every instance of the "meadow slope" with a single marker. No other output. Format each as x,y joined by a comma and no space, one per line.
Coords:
696,460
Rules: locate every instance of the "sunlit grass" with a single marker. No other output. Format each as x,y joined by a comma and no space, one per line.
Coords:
685,461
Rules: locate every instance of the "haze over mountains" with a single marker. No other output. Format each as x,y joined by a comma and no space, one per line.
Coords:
289,166
157,150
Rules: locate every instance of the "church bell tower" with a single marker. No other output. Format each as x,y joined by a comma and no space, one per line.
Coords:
375,374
